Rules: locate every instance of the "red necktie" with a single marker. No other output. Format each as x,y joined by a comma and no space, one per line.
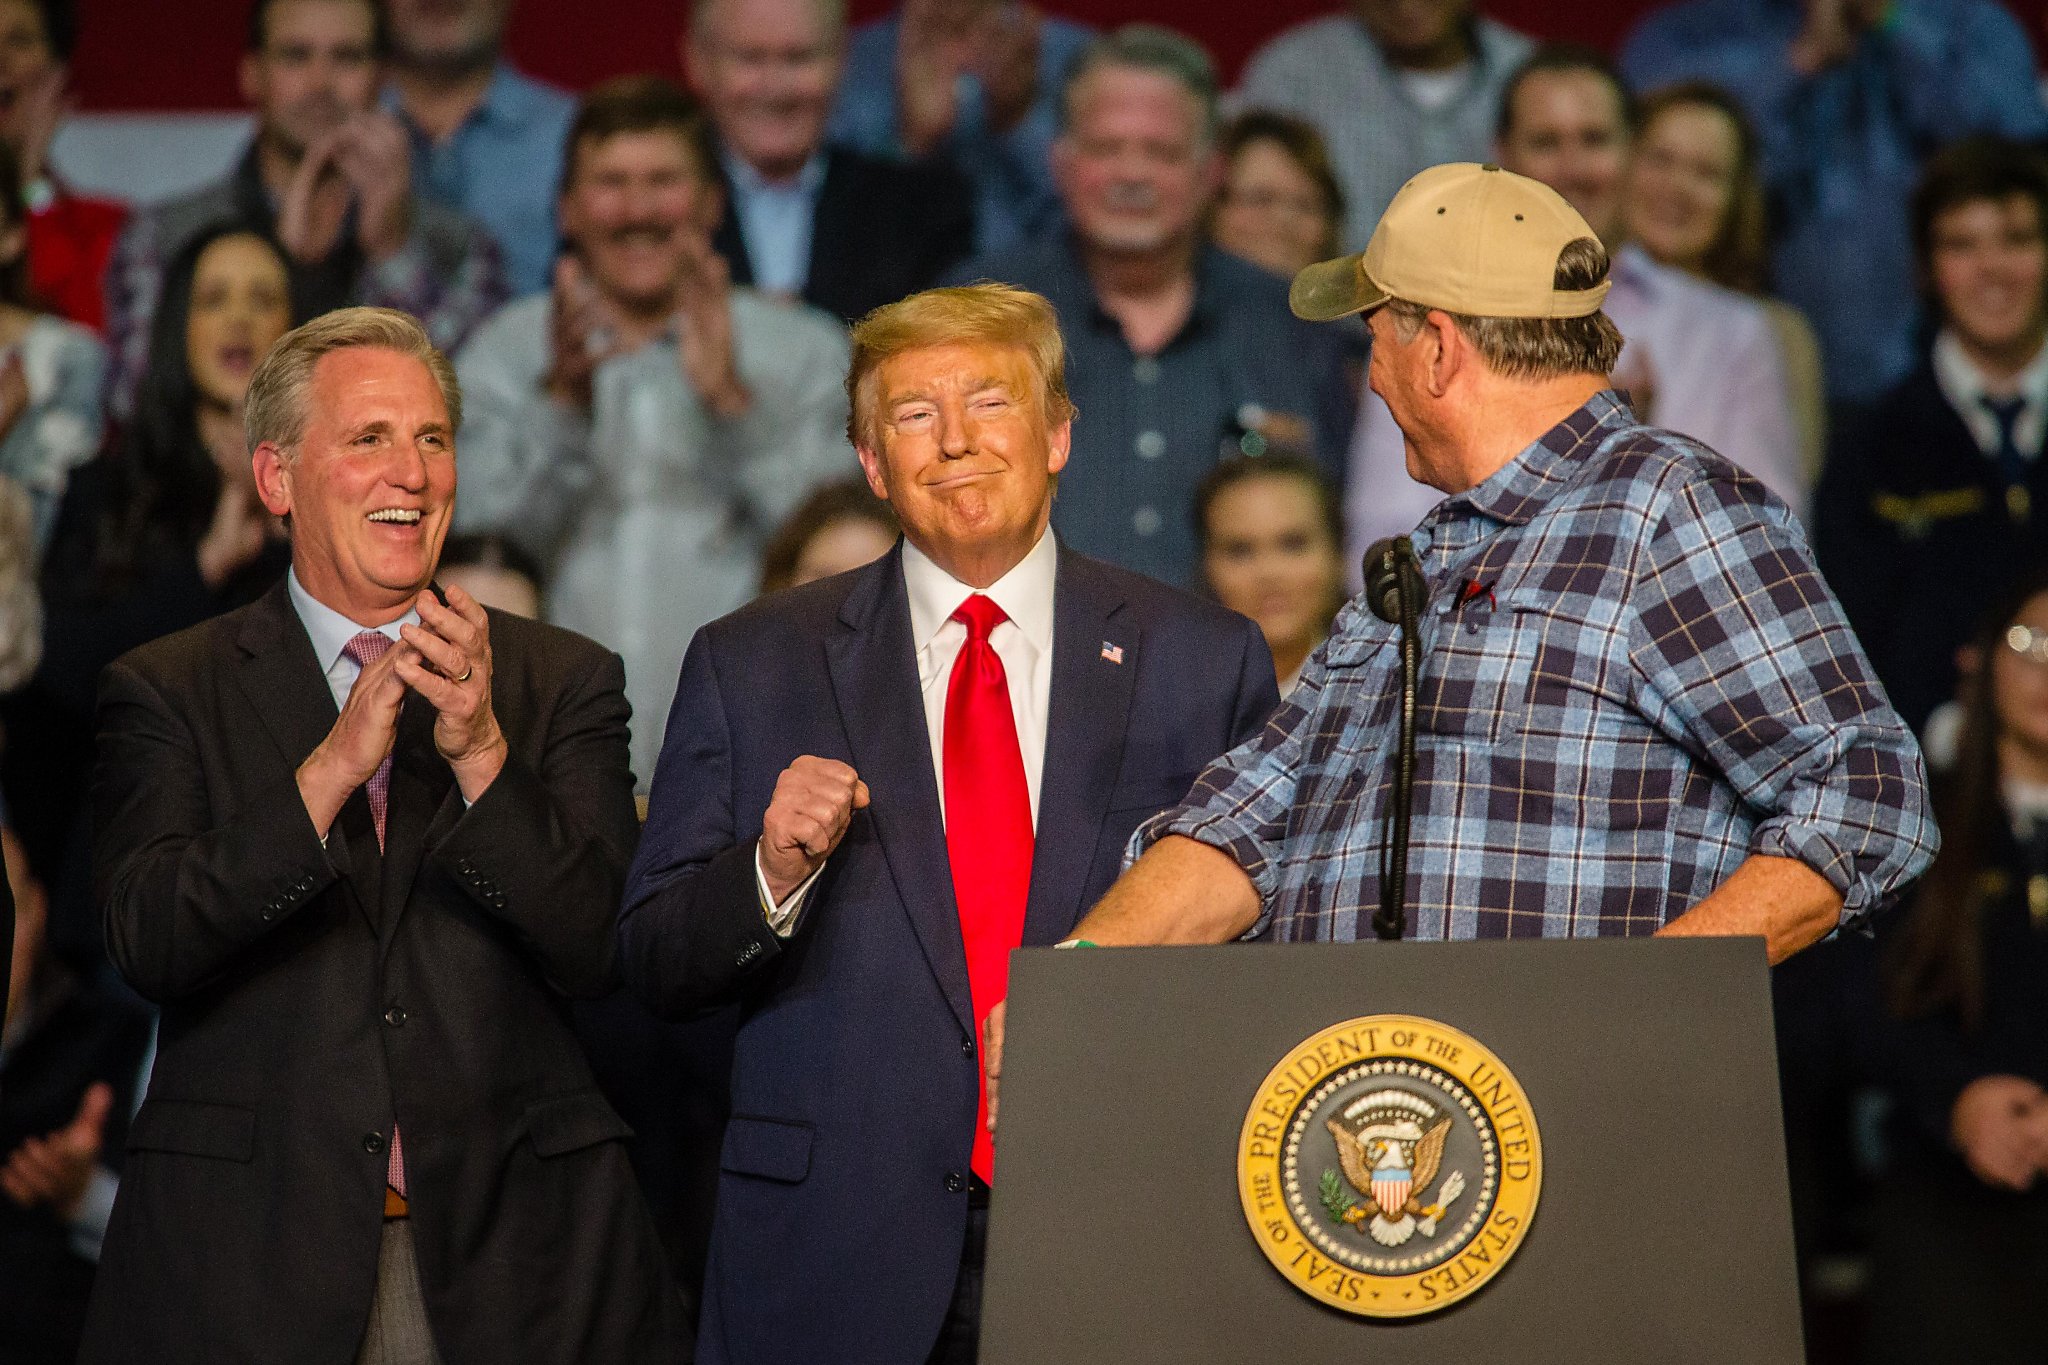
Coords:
988,828
366,649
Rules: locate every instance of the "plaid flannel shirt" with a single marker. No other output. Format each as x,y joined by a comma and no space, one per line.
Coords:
1633,678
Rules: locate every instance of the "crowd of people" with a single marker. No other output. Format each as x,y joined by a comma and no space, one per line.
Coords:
1828,229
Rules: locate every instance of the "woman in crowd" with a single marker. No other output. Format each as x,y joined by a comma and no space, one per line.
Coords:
1281,206
1272,539
161,531
51,370
1695,202
1961,1227
841,526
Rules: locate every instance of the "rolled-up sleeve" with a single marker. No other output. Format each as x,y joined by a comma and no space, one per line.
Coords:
1240,803
1743,653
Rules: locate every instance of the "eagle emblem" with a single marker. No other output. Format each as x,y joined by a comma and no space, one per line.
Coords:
1390,1160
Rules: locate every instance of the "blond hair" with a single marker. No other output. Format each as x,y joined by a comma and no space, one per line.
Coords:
984,313
275,410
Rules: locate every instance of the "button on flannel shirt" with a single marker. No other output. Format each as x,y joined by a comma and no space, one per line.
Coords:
1632,678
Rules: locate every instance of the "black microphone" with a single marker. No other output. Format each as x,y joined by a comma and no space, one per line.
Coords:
1387,563
1395,590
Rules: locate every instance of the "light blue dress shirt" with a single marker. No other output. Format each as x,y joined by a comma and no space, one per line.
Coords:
502,168
776,221
330,633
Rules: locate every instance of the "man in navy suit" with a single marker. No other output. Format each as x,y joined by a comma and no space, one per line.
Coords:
871,790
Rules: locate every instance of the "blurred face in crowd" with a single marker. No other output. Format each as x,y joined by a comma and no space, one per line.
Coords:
506,589
371,485
1135,167
1681,183
1271,211
635,202
26,58
1566,129
965,454
839,545
767,71
1989,264
2019,688
1270,557
241,305
454,35
1416,33
317,67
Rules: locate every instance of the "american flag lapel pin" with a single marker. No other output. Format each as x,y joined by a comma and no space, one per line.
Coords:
1113,653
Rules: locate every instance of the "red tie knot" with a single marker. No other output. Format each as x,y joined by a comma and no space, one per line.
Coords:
980,615
367,647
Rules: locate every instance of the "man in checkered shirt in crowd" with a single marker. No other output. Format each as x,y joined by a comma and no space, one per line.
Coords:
1640,710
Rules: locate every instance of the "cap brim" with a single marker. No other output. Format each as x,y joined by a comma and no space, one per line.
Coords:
1329,290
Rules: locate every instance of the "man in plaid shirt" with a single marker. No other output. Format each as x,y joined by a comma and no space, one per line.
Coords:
1640,711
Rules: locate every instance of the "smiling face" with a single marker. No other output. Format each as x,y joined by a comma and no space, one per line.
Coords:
1568,130
1269,556
1681,183
965,455
1989,263
241,305
317,67
1135,169
767,71
371,485
1272,213
635,202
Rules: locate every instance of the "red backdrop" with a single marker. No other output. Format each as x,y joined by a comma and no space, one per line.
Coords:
181,54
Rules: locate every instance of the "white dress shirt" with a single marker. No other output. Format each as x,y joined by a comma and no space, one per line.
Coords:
1023,643
1706,359
1966,388
330,632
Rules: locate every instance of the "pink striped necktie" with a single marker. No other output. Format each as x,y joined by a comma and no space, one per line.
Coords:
366,648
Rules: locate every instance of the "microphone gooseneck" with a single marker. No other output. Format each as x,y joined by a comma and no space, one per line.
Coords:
1395,590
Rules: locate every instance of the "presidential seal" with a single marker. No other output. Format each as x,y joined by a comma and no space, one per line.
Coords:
1389,1166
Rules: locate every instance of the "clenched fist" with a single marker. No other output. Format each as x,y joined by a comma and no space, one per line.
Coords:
814,801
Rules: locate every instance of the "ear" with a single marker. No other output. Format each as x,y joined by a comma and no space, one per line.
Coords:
690,52
273,479
871,465
1060,446
250,78
1453,353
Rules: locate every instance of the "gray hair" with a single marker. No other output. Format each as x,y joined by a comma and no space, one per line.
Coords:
275,410
1537,348
1147,47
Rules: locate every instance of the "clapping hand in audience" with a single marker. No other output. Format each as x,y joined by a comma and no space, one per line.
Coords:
942,40
1005,56
583,333
53,1170
704,341
2000,1125
1832,30
365,162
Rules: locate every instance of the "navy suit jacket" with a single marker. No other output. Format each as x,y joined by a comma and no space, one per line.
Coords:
842,1201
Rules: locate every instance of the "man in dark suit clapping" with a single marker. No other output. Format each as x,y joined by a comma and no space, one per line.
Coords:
361,843
873,788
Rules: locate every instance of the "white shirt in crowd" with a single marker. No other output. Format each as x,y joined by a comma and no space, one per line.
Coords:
1965,388
1023,643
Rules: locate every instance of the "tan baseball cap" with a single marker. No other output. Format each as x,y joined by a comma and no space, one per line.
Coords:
1462,237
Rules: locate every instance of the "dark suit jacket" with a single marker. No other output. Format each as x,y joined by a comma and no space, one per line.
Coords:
883,229
310,993
842,1203
1912,531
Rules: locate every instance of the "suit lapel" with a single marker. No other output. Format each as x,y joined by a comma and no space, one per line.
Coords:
873,665
281,680
1084,742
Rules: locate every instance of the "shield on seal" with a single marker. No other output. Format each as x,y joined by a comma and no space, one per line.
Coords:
1390,1191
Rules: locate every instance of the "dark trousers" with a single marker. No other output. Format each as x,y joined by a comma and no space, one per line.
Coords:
960,1335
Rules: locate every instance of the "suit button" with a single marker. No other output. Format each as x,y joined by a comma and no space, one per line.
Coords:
373,1143
956,1183
966,1045
395,1016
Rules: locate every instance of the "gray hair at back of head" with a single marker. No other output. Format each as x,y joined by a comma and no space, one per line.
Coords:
1147,47
275,410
